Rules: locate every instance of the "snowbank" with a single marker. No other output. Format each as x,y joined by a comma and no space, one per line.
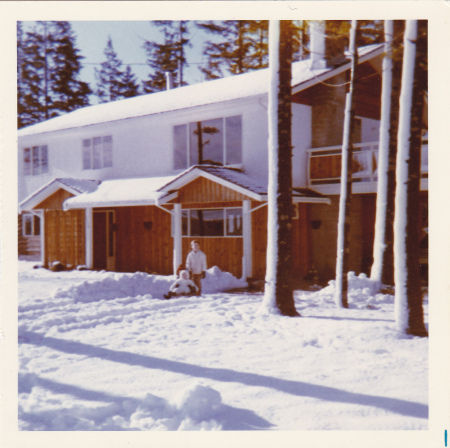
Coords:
194,409
119,285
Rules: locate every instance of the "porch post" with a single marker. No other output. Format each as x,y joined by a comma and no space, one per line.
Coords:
177,241
88,237
247,265
43,236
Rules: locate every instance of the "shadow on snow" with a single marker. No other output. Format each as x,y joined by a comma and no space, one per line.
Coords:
297,388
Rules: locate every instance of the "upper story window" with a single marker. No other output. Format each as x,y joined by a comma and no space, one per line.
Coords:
35,160
209,142
97,153
31,225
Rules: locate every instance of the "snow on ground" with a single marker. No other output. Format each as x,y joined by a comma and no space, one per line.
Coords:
105,351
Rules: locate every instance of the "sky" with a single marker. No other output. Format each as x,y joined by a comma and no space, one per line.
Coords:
128,38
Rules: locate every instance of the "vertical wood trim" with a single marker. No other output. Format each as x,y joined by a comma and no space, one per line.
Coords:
177,242
89,238
247,261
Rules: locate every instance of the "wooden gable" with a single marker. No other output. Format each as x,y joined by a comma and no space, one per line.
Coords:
55,201
203,190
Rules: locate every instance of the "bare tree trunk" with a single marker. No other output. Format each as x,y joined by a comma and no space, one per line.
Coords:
408,298
279,297
345,199
383,257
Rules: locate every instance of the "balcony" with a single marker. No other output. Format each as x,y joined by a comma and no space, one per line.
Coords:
324,168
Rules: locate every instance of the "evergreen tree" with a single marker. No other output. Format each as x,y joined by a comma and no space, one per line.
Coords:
168,56
48,69
238,46
278,294
130,87
113,83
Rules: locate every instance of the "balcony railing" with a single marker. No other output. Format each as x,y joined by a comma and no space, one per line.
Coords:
324,164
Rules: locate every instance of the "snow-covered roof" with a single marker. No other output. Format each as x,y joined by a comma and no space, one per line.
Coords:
73,186
121,192
237,180
215,91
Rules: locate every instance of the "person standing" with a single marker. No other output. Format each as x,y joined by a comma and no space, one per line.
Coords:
196,265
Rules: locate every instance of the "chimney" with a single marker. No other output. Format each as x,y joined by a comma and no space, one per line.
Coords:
317,45
169,80
328,41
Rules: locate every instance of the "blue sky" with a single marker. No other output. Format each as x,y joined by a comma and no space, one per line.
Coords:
128,38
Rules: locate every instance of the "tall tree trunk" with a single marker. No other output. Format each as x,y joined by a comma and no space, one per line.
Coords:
279,296
345,199
383,256
408,298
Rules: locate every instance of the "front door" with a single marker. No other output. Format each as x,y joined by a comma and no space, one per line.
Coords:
104,241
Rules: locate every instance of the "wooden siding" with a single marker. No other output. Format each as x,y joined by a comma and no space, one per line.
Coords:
301,242
325,167
143,240
55,201
226,253
204,190
65,237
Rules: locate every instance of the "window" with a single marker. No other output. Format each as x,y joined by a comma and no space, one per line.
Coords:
212,222
97,153
31,225
35,160
211,142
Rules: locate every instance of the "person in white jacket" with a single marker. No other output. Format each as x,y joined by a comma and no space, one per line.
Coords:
182,287
196,265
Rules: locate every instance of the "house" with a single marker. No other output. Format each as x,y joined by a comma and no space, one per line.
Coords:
127,185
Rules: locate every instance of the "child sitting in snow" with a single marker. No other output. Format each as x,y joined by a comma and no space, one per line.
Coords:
182,287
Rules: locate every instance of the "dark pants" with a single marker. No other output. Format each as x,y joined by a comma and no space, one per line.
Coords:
197,279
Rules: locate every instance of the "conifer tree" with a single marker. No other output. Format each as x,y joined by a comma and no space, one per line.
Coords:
237,46
168,56
113,83
48,72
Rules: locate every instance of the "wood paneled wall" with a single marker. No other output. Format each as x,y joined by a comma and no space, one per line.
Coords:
55,201
226,253
140,246
204,190
301,242
65,237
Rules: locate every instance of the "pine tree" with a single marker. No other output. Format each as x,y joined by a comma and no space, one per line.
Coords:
48,70
168,56
408,298
278,295
129,87
238,46
113,83
345,199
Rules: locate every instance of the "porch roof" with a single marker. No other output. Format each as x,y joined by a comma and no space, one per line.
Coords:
234,179
73,186
120,193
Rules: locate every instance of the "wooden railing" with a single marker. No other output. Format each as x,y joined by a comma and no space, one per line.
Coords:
324,164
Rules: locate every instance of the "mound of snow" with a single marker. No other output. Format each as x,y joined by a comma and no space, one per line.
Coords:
361,289
119,285
194,409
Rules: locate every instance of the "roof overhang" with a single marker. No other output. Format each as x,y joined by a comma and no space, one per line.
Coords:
336,71
192,174
47,190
